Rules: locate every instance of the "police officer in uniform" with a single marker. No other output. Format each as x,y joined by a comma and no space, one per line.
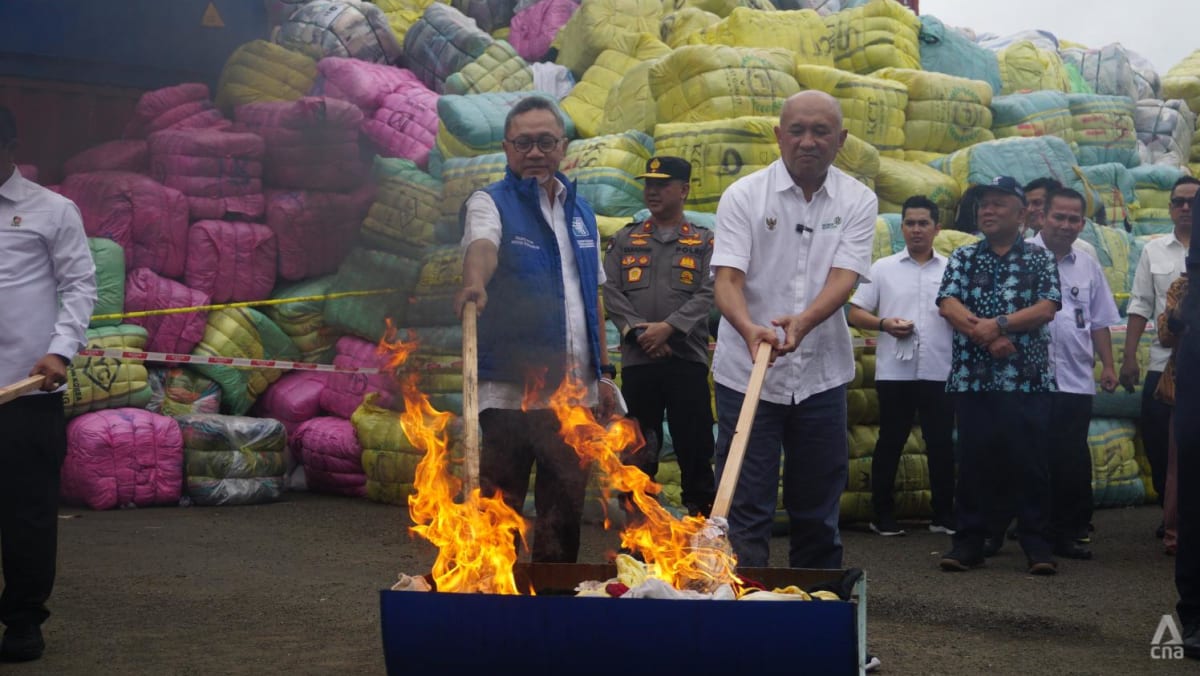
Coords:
658,292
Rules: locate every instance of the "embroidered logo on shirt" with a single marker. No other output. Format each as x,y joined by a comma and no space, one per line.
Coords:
771,223
16,221
578,227
687,277
687,262
634,275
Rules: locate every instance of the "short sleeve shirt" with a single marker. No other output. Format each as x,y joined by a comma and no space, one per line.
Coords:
990,286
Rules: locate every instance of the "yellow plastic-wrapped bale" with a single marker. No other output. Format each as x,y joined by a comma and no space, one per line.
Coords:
1116,477
402,14
944,113
1026,67
721,152
498,69
872,108
678,26
95,383
722,8
1182,81
859,159
463,176
264,71
799,31
598,24
242,332
303,321
405,215
389,459
922,156
698,83
629,104
876,35
898,180
587,100
1044,113
604,169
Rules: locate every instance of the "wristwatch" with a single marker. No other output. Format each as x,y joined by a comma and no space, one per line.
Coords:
1002,322
608,370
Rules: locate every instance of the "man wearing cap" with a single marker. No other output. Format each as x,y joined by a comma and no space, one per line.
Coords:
658,292
999,295
48,283
792,240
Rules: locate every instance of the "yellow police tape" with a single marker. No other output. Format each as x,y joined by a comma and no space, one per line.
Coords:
247,303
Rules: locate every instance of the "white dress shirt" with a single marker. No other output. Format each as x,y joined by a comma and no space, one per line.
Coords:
786,246
47,277
1087,305
1161,263
483,222
902,288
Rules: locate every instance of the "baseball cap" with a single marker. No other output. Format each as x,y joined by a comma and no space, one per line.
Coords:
1004,184
668,167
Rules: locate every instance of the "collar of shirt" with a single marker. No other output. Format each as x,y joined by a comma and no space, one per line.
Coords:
666,235
783,181
1070,257
1018,248
1172,240
13,189
936,256
560,192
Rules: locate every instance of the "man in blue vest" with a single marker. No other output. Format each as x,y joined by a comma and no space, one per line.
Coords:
531,264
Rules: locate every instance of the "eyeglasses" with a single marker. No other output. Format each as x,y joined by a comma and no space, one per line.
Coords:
1178,202
545,143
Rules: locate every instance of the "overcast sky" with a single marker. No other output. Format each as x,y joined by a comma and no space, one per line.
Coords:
1163,31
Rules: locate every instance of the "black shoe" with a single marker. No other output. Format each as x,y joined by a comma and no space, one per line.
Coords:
991,546
1042,565
1191,640
1161,531
957,561
886,526
22,644
1073,550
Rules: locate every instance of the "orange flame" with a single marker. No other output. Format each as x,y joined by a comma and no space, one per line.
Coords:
675,550
477,538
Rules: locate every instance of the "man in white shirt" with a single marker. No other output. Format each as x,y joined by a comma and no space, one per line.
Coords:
1037,193
792,240
48,286
531,265
1079,330
912,361
1161,263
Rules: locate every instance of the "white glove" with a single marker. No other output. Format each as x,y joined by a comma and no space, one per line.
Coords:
906,347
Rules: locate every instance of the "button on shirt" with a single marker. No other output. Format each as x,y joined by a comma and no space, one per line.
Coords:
786,246
1161,263
901,287
47,278
1087,305
990,286
483,222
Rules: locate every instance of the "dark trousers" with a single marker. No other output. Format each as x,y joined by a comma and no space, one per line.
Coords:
1070,465
32,447
816,455
1155,420
512,441
1002,464
679,388
899,401
1187,468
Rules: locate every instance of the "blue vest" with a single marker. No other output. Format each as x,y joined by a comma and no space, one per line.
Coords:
523,331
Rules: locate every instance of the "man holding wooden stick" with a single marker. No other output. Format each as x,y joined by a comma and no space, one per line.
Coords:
792,240
47,281
531,265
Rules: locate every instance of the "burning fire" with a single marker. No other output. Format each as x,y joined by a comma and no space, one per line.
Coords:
678,551
476,538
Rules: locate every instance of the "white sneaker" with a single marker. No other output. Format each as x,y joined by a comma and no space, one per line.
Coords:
936,527
873,663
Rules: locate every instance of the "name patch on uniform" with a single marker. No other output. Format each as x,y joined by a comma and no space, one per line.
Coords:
526,243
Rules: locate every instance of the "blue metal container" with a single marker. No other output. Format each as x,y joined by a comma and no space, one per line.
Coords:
432,633
142,44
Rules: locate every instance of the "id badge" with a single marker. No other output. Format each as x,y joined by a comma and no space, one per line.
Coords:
1079,323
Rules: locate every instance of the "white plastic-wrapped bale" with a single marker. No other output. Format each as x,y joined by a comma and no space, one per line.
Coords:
1103,129
1165,131
605,168
872,108
720,152
232,460
1107,70
350,28
699,83
944,113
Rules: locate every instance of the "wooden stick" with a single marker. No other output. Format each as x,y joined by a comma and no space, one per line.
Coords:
741,433
10,392
470,370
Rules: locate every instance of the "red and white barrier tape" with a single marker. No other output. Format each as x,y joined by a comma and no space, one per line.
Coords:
420,366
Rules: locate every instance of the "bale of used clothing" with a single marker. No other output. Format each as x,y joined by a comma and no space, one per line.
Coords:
96,383
367,269
404,218
872,108
598,24
699,83
1026,67
1103,129
533,28
473,124
263,71
348,28
441,42
310,144
220,172
119,155
1116,478
1182,81
498,69
344,392
1043,113
314,230
293,399
799,31
232,460
944,113
331,456
875,35
363,83
124,457
605,170
181,106
304,320
177,332
231,261
244,333
1165,131
405,124
587,100
179,390
109,260
720,152
946,50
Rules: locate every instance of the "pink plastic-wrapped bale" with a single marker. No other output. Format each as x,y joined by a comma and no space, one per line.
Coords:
120,155
311,144
184,105
231,260
360,82
219,171
293,399
332,456
533,28
347,390
145,290
148,219
315,230
122,457
405,124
